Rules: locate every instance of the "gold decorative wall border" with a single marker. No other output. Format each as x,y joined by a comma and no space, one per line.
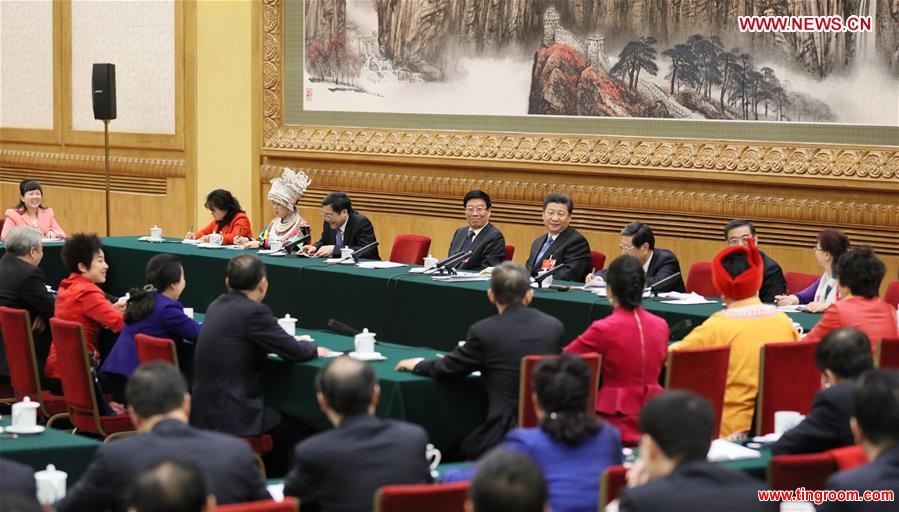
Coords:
869,164
92,164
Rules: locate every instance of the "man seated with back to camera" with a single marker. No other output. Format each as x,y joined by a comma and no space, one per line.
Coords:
343,227
875,423
673,473
842,356
342,468
237,335
494,346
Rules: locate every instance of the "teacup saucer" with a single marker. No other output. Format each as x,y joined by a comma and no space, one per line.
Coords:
35,429
372,356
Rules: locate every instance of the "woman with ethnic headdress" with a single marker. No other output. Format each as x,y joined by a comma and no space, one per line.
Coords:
285,193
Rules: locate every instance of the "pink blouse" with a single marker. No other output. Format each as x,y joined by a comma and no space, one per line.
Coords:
46,221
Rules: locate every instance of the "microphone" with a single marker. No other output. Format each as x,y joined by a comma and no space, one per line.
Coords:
447,264
654,288
342,328
357,252
294,242
539,279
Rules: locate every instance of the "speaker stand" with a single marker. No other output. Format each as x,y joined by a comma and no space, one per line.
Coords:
106,166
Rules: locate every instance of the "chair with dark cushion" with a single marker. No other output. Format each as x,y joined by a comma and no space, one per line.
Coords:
702,371
78,385
788,381
18,342
527,414
448,497
410,249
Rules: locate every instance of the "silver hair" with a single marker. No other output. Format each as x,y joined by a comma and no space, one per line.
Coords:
510,283
20,240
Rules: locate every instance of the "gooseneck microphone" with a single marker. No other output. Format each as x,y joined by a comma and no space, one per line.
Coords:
447,265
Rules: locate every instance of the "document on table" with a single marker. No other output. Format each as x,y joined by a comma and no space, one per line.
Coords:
792,308
379,264
722,450
462,276
684,298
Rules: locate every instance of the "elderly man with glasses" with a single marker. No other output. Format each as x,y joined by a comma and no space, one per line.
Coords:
740,232
484,240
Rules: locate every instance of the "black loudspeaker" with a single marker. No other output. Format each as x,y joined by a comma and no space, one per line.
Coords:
103,87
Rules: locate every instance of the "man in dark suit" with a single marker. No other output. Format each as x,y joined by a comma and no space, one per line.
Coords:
638,240
875,423
237,335
343,227
507,480
739,232
16,479
340,470
159,405
172,484
495,346
484,240
561,244
842,356
673,473
23,286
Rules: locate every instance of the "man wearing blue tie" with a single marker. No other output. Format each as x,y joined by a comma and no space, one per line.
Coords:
343,227
484,240
561,244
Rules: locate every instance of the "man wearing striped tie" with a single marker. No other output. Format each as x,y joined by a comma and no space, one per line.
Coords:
343,227
561,244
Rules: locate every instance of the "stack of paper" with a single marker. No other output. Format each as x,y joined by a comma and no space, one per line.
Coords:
684,298
722,450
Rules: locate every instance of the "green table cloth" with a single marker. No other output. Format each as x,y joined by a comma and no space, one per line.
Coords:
68,452
406,308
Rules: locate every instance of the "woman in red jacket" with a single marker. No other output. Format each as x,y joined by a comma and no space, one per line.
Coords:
81,300
228,219
633,344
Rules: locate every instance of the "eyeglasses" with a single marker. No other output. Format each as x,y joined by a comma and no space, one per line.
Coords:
818,249
475,209
625,247
738,240
329,215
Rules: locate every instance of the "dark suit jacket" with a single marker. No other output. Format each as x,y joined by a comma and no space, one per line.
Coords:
571,248
882,474
236,337
773,282
494,346
698,486
825,427
358,233
488,249
340,469
663,264
227,463
24,286
16,479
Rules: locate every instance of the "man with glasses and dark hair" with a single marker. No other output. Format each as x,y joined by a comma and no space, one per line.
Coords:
638,240
495,346
875,423
842,356
159,406
673,473
342,468
561,244
483,239
343,227
739,232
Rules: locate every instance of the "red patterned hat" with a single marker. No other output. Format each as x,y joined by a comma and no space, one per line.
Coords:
744,285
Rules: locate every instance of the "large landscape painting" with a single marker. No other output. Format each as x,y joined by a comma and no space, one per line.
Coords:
661,59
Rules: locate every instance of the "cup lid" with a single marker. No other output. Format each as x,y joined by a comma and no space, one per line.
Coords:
26,402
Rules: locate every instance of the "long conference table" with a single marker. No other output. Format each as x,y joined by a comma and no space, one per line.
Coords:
410,309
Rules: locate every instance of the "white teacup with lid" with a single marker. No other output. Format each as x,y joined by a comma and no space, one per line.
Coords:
51,485
156,232
24,414
346,252
289,324
430,262
364,342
